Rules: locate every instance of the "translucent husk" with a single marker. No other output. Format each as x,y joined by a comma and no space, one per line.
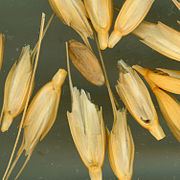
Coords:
16,88
73,13
169,106
161,38
86,62
168,80
2,39
137,99
121,147
41,115
87,129
101,15
130,16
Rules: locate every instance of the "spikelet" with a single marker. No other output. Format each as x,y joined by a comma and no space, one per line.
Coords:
121,147
73,13
161,38
168,80
86,62
169,106
2,39
136,97
16,88
130,16
176,3
101,15
40,116
87,129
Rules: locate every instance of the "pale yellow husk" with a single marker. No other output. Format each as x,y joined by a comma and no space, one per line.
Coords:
88,132
130,16
121,147
161,38
73,13
176,3
86,62
168,80
2,39
136,97
169,106
101,15
16,88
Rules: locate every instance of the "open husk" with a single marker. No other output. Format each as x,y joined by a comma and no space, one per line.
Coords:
130,16
101,15
161,38
121,147
168,80
40,116
169,106
2,39
87,129
16,88
86,62
136,97
73,13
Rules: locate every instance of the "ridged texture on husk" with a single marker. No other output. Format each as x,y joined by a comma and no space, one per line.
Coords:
73,13
161,38
16,88
121,147
86,62
130,16
101,15
168,80
2,39
136,97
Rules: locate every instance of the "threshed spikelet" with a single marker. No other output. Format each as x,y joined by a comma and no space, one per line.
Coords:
101,15
130,16
121,147
86,62
137,99
161,38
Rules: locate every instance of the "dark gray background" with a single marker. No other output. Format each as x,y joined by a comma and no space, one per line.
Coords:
56,156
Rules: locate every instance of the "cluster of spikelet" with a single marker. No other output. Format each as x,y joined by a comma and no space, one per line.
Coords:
86,123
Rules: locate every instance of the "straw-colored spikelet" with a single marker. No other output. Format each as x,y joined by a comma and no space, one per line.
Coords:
121,147
136,97
86,62
101,15
176,3
161,38
130,16
2,39
168,80
87,129
73,13
169,106
40,116
16,88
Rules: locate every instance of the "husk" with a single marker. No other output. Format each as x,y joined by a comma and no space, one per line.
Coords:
87,129
168,80
121,147
130,16
136,97
176,3
16,88
86,62
101,15
161,38
2,39
73,13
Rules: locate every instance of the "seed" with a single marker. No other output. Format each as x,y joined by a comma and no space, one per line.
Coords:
161,38
2,39
86,62
73,13
101,15
130,16
137,99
